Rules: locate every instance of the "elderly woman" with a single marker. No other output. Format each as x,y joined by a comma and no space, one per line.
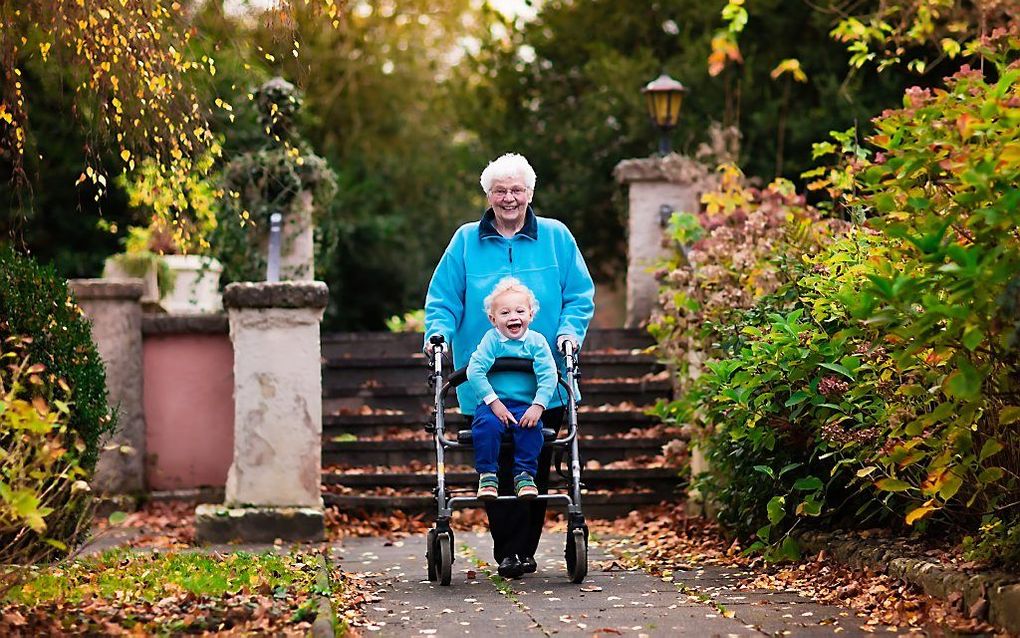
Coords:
510,240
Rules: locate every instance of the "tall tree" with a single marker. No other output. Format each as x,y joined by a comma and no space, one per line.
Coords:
564,90
379,105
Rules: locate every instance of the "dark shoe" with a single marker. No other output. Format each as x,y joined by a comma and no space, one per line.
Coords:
511,567
528,565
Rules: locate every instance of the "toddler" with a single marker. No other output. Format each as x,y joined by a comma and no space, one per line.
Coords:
511,306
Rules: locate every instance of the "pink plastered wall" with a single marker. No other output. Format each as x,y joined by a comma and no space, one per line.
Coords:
189,410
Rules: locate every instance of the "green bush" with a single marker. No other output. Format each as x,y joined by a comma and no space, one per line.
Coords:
35,303
879,381
43,492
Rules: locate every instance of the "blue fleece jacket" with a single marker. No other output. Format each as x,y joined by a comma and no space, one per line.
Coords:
530,346
542,255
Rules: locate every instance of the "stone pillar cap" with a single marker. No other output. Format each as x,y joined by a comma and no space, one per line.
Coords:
674,168
280,294
128,289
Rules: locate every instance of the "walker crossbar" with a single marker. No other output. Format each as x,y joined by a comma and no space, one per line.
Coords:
474,502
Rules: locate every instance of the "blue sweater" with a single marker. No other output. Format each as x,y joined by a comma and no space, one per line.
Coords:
531,346
543,255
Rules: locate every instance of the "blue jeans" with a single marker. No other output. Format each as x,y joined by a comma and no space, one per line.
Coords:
487,434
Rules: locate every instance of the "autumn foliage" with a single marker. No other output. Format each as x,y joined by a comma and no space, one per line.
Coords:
874,380
125,61
42,484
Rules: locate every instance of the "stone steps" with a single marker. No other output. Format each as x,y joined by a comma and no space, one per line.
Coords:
387,344
378,456
426,480
363,425
411,370
417,398
596,505
402,452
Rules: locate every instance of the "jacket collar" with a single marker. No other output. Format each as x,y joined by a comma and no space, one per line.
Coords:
487,227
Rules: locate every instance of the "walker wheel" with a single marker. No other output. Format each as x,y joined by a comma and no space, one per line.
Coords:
444,542
577,555
430,555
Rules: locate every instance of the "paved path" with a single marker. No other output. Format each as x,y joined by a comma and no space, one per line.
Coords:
611,601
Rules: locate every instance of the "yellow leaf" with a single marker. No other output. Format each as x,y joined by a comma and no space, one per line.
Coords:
918,513
791,66
125,155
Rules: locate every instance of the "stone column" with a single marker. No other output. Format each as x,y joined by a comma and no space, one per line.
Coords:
115,311
675,182
273,484
297,261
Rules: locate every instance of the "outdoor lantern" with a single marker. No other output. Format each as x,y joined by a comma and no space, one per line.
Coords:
664,95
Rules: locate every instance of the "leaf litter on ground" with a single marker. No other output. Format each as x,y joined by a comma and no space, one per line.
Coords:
663,540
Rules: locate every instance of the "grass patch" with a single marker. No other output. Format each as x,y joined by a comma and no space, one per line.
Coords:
152,576
169,592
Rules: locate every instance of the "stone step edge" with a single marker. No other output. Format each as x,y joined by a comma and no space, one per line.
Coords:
366,420
588,386
428,444
383,335
428,478
425,502
1002,590
417,361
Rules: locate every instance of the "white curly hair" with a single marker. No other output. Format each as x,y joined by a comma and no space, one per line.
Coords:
508,165
510,284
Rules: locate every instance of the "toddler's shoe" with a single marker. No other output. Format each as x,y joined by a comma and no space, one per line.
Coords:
525,486
488,487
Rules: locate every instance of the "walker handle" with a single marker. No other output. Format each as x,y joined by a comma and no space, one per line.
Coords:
569,354
438,343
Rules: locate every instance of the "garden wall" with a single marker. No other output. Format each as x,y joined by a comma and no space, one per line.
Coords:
188,400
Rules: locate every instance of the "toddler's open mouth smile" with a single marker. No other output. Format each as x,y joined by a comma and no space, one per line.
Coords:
514,326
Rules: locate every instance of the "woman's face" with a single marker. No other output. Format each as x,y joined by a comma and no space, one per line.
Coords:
509,198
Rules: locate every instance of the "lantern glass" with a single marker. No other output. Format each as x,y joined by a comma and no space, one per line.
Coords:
664,107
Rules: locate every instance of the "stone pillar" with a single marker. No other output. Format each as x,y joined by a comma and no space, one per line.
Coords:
674,182
297,240
115,311
297,261
273,484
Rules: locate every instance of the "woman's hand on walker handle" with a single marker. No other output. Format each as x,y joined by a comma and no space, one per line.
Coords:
562,339
531,416
501,412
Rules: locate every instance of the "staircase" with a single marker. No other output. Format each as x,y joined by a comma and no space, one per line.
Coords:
377,456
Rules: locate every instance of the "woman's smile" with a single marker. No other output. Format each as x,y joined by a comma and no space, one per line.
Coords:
509,199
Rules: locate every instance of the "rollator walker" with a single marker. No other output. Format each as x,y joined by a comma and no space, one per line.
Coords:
439,541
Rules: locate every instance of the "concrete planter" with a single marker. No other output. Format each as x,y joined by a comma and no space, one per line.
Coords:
195,281
115,270
196,285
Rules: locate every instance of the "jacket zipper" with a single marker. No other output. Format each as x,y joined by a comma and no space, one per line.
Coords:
511,244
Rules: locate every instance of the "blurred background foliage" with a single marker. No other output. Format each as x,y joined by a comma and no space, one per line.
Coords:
407,102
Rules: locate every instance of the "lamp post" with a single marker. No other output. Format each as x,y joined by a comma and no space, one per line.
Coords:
663,97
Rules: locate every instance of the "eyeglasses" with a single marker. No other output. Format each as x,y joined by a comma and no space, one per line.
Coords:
501,192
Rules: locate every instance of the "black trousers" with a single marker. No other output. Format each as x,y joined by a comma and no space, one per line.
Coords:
516,526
